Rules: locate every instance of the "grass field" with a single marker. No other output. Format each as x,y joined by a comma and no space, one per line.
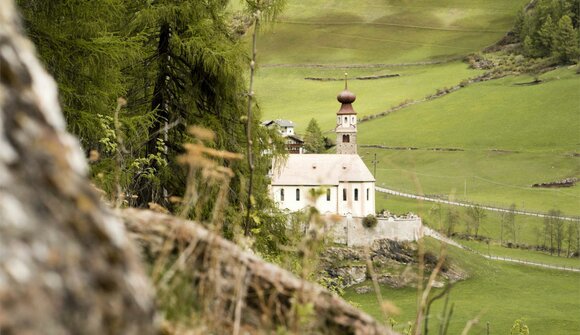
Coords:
494,249
498,293
495,114
284,93
481,118
492,178
379,31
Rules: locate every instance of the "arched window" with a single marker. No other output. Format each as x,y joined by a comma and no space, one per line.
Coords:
352,119
345,119
344,194
356,194
297,194
338,119
282,195
368,192
327,194
345,139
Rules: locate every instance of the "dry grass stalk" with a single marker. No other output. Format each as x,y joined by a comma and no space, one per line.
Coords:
239,289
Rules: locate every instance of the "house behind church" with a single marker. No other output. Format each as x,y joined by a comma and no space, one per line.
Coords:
294,144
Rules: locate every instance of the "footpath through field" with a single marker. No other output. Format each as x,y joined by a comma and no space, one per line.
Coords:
436,235
468,204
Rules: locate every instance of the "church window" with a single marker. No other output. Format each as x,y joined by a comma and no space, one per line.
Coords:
356,194
345,138
345,119
352,119
368,192
297,194
344,194
282,195
327,194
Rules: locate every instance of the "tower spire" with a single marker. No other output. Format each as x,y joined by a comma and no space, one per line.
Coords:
346,122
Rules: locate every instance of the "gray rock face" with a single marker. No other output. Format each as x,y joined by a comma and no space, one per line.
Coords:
66,265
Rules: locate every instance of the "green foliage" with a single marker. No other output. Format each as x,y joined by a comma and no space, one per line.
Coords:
566,46
82,47
370,221
548,30
520,328
178,63
313,139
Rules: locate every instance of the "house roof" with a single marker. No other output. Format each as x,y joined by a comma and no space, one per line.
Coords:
295,138
279,122
321,169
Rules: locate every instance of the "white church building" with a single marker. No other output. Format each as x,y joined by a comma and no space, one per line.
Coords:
347,185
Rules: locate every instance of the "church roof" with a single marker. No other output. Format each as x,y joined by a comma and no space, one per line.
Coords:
321,169
279,122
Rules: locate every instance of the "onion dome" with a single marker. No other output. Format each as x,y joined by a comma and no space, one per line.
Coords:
346,97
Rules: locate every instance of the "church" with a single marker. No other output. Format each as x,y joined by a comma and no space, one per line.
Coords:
347,185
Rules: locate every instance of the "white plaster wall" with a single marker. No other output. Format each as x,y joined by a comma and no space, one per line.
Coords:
356,208
293,205
346,123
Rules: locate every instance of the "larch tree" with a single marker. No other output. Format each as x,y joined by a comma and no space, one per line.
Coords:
313,139
80,45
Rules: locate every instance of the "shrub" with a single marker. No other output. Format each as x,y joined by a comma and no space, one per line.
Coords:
370,221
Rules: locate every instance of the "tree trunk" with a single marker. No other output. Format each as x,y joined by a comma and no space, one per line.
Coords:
159,104
66,265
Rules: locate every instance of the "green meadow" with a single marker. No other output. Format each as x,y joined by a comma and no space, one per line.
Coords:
497,114
528,231
496,292
513,137
379,31
284,93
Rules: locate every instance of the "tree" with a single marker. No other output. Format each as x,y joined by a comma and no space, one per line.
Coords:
476,215
549,29
566,41
558,231
86,57
553,230
313,139
511,224
570,236
451,222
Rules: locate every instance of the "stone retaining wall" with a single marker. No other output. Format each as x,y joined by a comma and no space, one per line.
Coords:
350,231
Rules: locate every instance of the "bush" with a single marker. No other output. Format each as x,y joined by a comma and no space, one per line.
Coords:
370,221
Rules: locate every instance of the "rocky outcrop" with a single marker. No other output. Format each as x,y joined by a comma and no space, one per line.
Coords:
393,262
66,264
567,182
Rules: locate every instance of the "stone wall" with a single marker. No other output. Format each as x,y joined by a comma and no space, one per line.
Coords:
350,230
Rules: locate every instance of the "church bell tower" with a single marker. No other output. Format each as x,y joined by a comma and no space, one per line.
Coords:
346,123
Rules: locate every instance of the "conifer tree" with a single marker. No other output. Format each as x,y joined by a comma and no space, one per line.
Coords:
79,44
313,139
566,40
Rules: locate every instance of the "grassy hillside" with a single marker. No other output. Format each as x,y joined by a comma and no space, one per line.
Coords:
495,114
284,93
499,293
379,31
536,126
